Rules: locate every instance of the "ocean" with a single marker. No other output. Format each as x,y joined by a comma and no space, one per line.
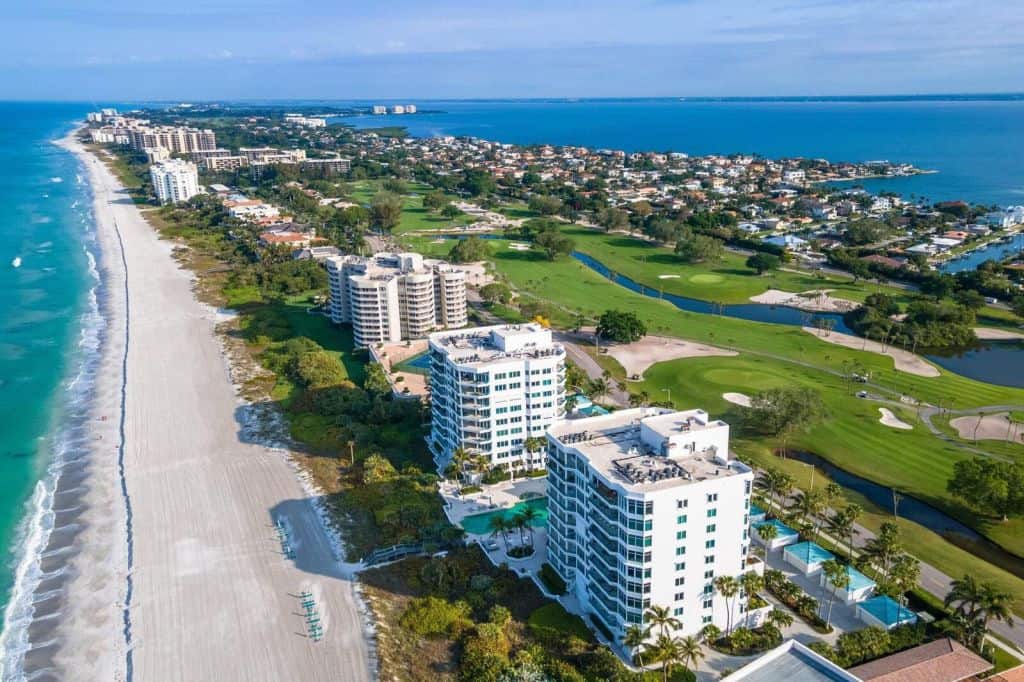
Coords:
976,145
49,329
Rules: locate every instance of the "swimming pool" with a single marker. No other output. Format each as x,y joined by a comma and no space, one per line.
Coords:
417,364
480,524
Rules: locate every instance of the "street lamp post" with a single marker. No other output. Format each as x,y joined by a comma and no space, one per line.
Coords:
669,391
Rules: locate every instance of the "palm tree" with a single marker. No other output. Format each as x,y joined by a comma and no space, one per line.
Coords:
728,587
751,583
779,619
529,515
842,525
883,548
966,594
690,654
661,617
520,525
669,653
710,633
767,532
995,605
807,504
904,573
599,388
634,639
499,526
837,576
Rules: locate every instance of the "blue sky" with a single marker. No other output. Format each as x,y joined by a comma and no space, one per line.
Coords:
260,49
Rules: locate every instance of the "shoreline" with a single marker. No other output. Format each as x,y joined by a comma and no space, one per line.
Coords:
213,596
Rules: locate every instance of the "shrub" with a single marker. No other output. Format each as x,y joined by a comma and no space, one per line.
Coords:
432,616
549,576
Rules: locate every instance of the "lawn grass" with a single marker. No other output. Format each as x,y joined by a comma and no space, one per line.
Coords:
726,280
554,617
414,216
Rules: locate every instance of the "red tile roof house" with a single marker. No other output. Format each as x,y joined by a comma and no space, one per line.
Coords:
944,660
296,239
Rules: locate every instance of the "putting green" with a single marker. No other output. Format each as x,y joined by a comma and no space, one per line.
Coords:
706,278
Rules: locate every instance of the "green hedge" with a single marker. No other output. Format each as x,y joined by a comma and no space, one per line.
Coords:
549,576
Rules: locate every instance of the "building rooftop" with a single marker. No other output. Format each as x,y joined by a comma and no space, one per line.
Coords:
809,552
944,660
784,531
793,662
635,447
481,345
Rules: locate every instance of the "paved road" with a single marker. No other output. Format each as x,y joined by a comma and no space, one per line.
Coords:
588,364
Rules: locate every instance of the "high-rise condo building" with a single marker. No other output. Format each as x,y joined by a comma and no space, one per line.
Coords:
174,180
492,389
389,297
645,507
173,139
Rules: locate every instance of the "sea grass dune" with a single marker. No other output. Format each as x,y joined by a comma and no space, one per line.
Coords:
176,569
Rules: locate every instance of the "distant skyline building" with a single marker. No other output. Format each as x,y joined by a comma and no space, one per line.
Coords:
645,508
174,180
389,297
492,389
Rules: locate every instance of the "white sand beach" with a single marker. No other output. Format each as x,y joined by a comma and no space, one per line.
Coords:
213,597
903,360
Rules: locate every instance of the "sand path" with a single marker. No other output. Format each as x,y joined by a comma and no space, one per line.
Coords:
638,356
213,596
905,361
995,334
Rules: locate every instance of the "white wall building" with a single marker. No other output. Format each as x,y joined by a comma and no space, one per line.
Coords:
393,296
492,388
645,507
174,180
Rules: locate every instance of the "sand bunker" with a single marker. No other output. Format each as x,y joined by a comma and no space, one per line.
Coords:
891,420
905,361
992,334
519,246
991,427
636,357
816,300
741,399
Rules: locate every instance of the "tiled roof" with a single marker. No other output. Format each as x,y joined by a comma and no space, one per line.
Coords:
944,660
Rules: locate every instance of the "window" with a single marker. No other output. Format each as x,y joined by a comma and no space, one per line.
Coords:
708,575
680,596
680,565
680,551
677,611
710,528
681,518
709,559
707,603
709,589
712,497
680,535
681,504
680,580
712,513
709,544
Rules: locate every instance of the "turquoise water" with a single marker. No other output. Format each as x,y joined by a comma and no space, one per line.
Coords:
784,531
888,611
976,145
858,580
809,552
49,323
480,524
417,364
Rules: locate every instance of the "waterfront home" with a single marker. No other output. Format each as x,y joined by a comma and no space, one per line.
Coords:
943,660
859,589
807,557
885,612
784,535
788,241
792,661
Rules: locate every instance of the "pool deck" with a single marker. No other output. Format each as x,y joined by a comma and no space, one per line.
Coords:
502,495
391,354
